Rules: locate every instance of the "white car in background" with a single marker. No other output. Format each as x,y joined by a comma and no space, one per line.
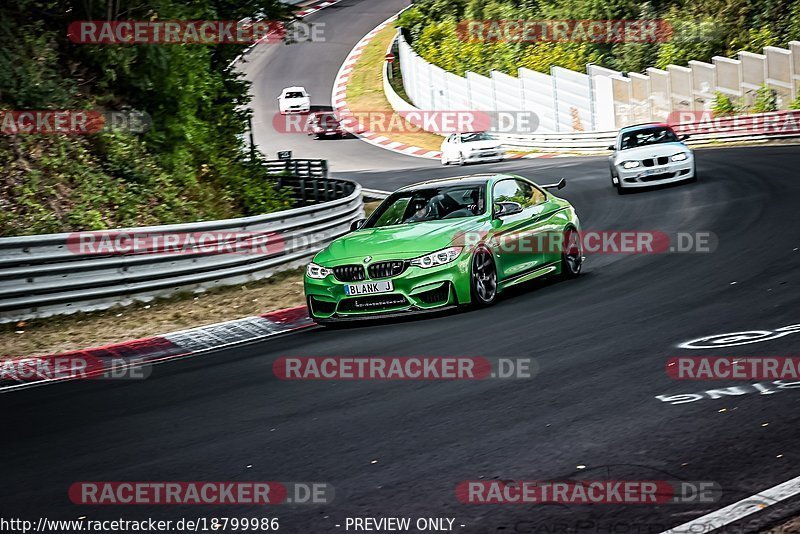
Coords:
469,147
294,100
650,154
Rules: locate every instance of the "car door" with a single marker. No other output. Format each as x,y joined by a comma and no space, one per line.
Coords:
454,146
447,147
519,238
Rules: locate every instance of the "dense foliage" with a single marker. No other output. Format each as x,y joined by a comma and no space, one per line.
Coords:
701,30
188,166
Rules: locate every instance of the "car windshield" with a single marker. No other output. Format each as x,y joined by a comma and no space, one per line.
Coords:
648,136
429,204
475,136
293,94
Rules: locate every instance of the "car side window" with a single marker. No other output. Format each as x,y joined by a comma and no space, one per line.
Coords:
510,191
519,191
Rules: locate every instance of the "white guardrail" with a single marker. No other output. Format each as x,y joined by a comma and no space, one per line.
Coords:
50,274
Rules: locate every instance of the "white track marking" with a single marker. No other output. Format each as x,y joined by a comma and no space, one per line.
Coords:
739,510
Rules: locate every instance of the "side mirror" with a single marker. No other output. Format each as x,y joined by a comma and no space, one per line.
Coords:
355,225
611,147
561,184
684,137
501,209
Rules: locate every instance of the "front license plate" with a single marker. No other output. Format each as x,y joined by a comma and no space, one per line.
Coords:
651,172
368,288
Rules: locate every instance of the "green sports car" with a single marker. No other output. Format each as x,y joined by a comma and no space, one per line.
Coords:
443,243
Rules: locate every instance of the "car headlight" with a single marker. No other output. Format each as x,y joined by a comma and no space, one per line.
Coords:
630,164
440,257
680,156
317,271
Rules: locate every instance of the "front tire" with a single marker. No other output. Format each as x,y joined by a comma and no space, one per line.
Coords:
571,254
483,278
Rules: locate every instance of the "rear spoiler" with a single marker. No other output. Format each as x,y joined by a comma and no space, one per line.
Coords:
561,184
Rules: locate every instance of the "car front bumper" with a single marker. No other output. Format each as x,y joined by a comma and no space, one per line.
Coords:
675,171
301,109
327,133
414,290
484,155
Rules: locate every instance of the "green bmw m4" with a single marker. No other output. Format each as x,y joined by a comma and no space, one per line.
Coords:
444,243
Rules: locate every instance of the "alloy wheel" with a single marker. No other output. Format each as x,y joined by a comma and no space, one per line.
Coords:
484,277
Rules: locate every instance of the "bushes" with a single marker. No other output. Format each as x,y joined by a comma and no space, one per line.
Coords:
700,31
766,100
723,105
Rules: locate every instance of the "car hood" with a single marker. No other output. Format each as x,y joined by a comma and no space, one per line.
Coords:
651,151
402,241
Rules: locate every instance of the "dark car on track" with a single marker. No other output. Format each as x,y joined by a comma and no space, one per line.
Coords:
325,124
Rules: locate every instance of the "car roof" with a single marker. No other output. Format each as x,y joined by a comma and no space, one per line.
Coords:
295,88
458,180
644,126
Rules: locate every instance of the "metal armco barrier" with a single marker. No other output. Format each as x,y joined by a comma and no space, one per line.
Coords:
48,274
774,125
316,168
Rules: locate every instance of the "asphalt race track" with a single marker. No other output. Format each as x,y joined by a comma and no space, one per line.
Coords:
601,342
314,65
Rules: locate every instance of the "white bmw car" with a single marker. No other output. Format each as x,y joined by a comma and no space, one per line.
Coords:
468,147
650,154
294,100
